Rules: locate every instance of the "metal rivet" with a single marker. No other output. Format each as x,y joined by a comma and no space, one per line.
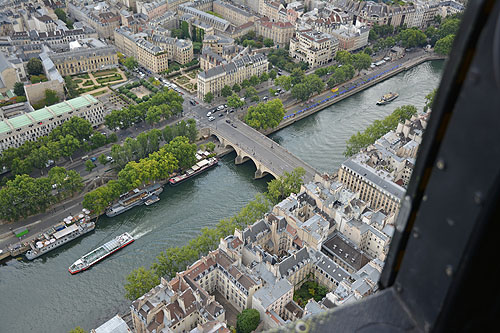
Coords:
301,327
478,198
440,164
416,234
424,198
399,287
449,270
407,198
450,222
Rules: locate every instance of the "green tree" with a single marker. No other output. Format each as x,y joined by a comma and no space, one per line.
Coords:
297,75
285,82
185,29
412,38
247,321
443,45
34,66
209,97
264,77
60,14
71,87
429,100
176,33
301,92
98,140
268,42
19,89
379,127
102,159
51,97
368,51
280,188
432,35
272,74
265,115
89,165
68,145
343,57
250,91
183,151
448,27
130,63
234,101
139,282
254,80
77,329
361,61
226,91
210,146
245,84
236,88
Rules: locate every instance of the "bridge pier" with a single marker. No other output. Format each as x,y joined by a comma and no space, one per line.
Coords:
259,173
240,159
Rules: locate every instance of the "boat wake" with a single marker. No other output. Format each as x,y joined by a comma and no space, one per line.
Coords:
138,234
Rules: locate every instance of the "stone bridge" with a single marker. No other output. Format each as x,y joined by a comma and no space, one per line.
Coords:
249,144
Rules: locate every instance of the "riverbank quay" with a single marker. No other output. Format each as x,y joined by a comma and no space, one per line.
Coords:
300,111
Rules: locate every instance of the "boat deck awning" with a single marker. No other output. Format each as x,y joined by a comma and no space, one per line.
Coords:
65,231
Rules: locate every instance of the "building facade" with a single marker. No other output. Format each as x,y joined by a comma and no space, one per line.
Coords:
313,47
84,60
214,79
32,125
280,32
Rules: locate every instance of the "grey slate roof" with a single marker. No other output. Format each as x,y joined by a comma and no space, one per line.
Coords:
373,178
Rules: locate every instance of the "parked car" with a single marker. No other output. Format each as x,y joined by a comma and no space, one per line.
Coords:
228,121
211,118
222,114
93,159
209,114
264,98
192,102
234,125
220,107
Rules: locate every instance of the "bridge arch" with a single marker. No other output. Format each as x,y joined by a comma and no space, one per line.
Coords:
242,156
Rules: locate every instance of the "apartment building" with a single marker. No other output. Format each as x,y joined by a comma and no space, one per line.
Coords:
313,47
51,37
98,17
31,125
44,23
234,14
153,50
178,50
153,9
351,37
280,32
87,55
187,300
271,9
151,56
219,24
214,79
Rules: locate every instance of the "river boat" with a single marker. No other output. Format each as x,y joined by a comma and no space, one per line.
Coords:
60,234
133,198
100,253
195,170
153,199
387,98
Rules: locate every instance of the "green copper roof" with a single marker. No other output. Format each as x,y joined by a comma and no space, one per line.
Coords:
41,114
20,121
47,112
4,127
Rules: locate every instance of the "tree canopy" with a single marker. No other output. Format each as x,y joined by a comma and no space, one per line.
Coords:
265,115
247,321
34,66
130,63
208,98
280,188
443,45
234,101
379,127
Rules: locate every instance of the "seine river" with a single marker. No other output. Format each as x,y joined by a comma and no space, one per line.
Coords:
41,296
